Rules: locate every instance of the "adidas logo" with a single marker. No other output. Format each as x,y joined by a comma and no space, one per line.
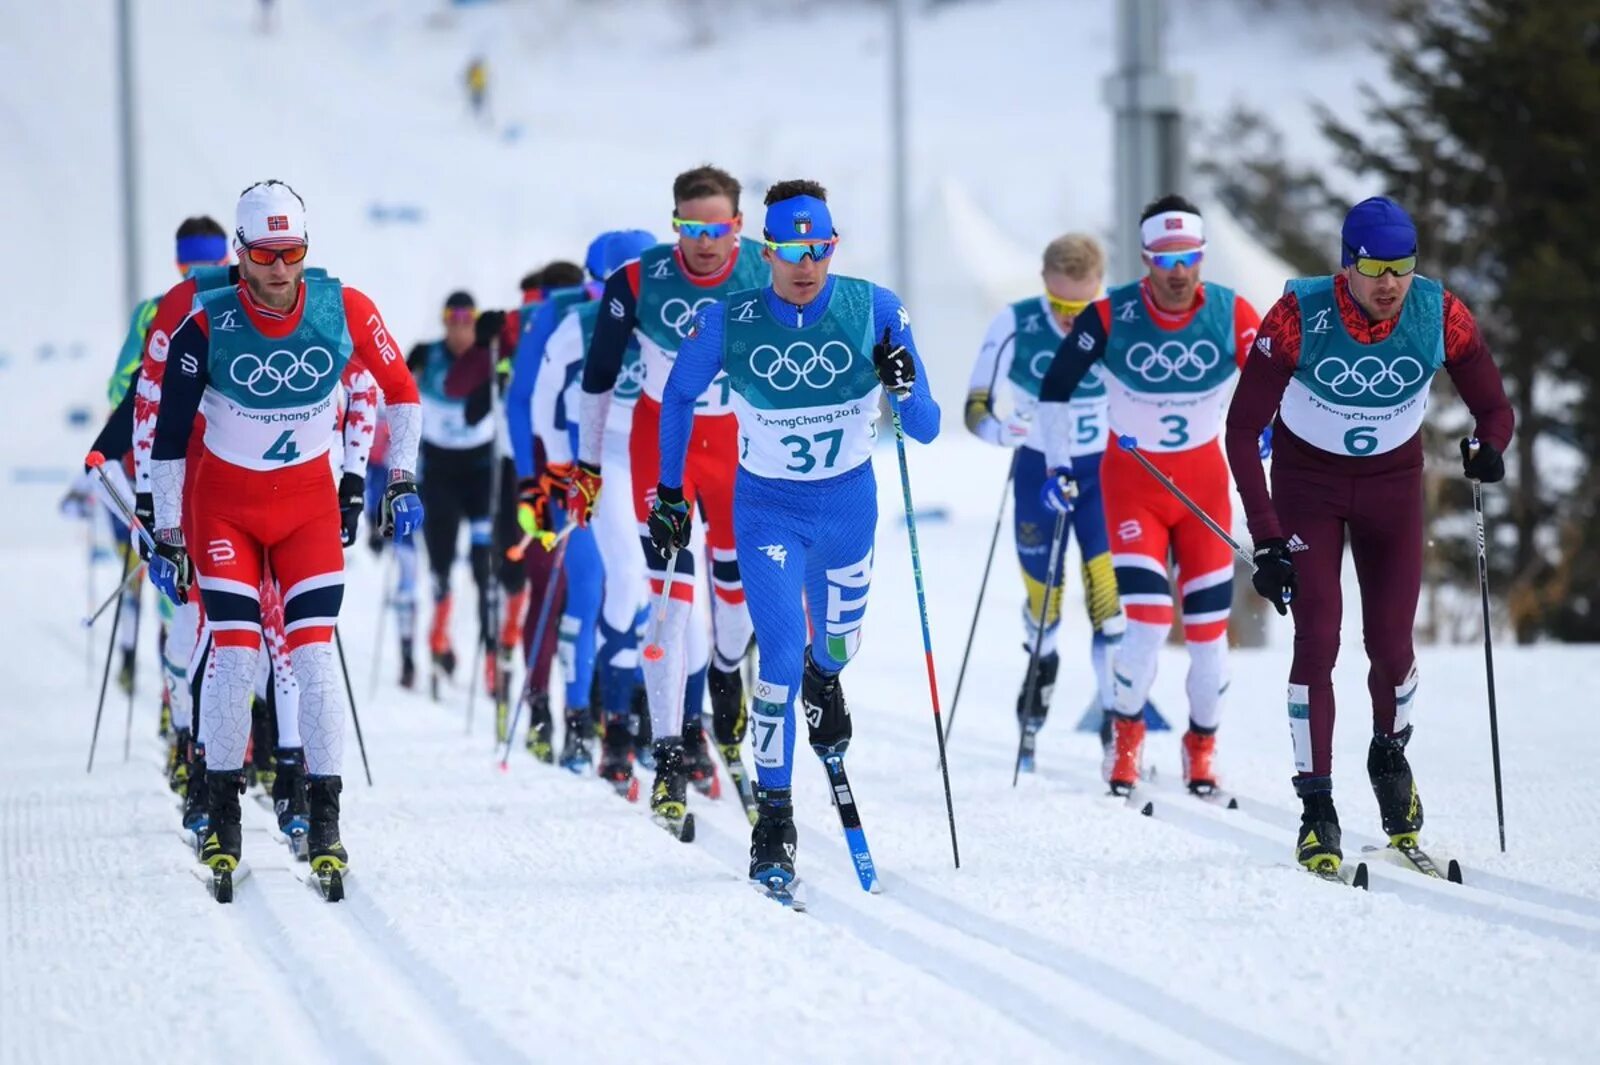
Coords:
1296,544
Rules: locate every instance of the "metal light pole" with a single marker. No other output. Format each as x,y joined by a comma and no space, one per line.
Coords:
1147,100
900,178
129,156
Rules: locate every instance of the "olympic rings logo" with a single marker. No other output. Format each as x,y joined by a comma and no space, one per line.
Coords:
1369,376
678,314
630,381
296,371
1173,359
785,370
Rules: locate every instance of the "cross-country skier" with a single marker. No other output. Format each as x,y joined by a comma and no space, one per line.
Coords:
807,358
1171,346
263,360
657,297
1341,369
604,596
403,596
1018,349
563,287
458,457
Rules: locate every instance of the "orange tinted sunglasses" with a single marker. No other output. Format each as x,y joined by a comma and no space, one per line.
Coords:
292,254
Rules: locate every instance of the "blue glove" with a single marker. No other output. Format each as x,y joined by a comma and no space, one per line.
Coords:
170,568
1265,443
400,513
1060,490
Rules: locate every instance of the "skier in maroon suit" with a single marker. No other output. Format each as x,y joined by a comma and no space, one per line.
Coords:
1344,364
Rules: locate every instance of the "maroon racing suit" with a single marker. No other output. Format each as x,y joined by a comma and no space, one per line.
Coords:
1371,489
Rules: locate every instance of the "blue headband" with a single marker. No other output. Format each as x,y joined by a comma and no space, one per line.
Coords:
202,248
799,218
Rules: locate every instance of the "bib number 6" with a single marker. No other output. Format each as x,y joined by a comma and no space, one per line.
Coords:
1362,440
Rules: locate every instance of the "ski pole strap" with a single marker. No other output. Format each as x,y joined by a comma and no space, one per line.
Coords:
96,462
1131,446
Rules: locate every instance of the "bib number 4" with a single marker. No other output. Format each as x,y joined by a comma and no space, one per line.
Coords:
283,449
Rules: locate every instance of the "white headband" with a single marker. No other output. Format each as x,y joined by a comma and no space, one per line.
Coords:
1171,225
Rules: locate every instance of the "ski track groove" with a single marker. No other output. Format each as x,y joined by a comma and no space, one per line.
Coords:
1192,1022
422,992
965,976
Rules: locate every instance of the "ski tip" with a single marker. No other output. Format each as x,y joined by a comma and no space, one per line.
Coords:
1233,803
1359,878
1453,872
1148,809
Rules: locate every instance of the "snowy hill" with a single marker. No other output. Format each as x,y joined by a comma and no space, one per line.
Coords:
531,916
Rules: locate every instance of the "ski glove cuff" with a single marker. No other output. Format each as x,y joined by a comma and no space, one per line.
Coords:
400,514
1274,578
144,508
352,500
170,568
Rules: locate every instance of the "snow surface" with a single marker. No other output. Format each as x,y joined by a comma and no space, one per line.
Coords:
531,915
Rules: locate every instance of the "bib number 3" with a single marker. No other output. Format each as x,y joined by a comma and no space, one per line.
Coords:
283,449
1177,427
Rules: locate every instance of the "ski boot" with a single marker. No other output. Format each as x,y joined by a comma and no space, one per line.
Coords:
289,799
540,727
408,666
444,656
1395,788
1033,705
772,841
1317,845
1127,754
575,753
223,836
196,811
669,807
644,751
178,754
125,672
827,714
616,758
328,856
697,760
1199,748
730,717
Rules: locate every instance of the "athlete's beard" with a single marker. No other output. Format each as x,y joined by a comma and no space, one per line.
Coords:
277,297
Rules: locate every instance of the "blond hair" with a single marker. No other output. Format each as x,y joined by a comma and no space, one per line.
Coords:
1077,255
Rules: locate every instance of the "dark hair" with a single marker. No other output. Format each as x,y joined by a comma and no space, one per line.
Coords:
1170,202
561,274
533,279
705,181
787,190
459,299
201,225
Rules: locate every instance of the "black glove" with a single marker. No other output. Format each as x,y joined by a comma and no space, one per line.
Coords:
144,508
1274,578
669,521
488,327
352,500
1481,462
894,364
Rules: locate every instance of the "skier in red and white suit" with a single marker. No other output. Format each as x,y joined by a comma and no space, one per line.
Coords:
263,360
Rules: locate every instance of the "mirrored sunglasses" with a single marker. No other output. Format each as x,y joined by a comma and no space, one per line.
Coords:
795,251
261,256
695,230
1169,260
1369,267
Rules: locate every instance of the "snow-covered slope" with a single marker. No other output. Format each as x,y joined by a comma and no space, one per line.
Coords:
532,916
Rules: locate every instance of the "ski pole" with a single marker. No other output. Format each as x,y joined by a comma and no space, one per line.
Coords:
105,676
922,609
1131,446
1488,654
538,640
983,586
89,538
384,603
127,727
489,616
115,596
1052,571
344,667
654,651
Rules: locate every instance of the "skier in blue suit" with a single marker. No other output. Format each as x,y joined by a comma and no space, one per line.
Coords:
809,357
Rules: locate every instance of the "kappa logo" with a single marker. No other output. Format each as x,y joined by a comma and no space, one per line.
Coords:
1264,345
777,552
745,312
1319,322
1297,545
225,322
904,316
160,344
661,270
616,309
221,551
